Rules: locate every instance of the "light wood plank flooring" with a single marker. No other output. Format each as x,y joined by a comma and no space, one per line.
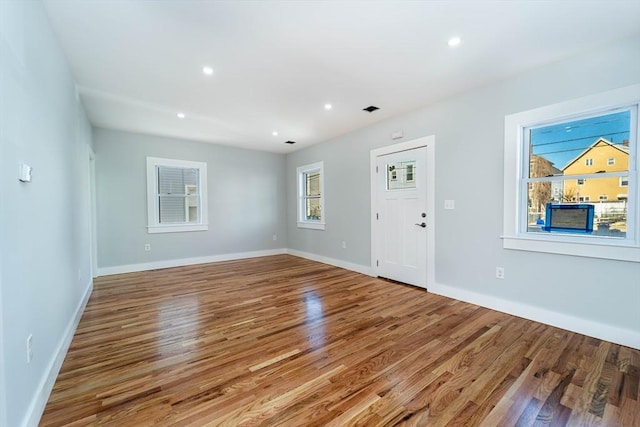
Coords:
283,341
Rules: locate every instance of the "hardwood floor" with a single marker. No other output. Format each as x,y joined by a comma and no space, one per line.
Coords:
283,341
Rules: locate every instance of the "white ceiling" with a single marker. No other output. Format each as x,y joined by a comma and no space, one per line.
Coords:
276,63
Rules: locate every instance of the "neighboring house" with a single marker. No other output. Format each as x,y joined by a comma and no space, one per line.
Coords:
540,193
602,156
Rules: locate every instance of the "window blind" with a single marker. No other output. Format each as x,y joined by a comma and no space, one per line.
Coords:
177,194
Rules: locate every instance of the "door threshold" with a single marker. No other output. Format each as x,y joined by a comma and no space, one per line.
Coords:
386,279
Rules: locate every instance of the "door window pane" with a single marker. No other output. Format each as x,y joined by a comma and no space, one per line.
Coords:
401,175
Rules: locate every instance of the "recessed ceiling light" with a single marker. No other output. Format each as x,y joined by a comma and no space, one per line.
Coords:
207,70
328,106
274,133
454,41
181,115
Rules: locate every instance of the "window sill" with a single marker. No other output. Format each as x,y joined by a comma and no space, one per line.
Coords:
621,251
179,228
311,225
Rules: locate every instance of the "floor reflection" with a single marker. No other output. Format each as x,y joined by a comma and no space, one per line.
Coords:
314,322
179,321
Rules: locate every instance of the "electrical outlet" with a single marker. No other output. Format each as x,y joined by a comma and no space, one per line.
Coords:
29,348
449,204
344,245
147,247
275,237
499,272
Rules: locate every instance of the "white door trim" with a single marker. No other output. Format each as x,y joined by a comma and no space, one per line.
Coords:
430,143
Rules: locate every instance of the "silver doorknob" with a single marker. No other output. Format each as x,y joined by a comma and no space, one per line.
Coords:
423,225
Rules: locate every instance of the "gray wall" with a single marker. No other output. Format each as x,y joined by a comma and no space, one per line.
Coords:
246,198
469,130
44,225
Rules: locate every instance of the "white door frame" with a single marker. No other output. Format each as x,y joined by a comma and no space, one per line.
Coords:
430,143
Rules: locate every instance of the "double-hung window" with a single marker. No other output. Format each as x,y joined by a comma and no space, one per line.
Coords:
311,196
176,195
571,177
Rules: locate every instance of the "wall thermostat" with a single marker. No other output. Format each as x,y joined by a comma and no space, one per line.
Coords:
24,174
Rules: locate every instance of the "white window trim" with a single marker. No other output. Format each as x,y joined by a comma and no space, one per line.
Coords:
153,222
302,221
594,247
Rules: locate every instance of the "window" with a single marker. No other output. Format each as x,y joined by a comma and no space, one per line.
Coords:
311,196
566,148
549,157
176,195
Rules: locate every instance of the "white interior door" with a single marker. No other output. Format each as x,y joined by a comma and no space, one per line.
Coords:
401,216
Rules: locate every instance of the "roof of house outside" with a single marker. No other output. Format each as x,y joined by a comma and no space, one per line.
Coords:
623,148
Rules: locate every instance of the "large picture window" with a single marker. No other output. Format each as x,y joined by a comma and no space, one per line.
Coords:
569,162
176,195
577,152
311,196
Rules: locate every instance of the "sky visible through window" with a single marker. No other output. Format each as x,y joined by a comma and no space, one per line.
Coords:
563,142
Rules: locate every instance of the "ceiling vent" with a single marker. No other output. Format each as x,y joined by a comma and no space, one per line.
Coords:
371,108
289,142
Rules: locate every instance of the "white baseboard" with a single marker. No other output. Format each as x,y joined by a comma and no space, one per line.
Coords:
43,391
363,269
590,328
130,268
